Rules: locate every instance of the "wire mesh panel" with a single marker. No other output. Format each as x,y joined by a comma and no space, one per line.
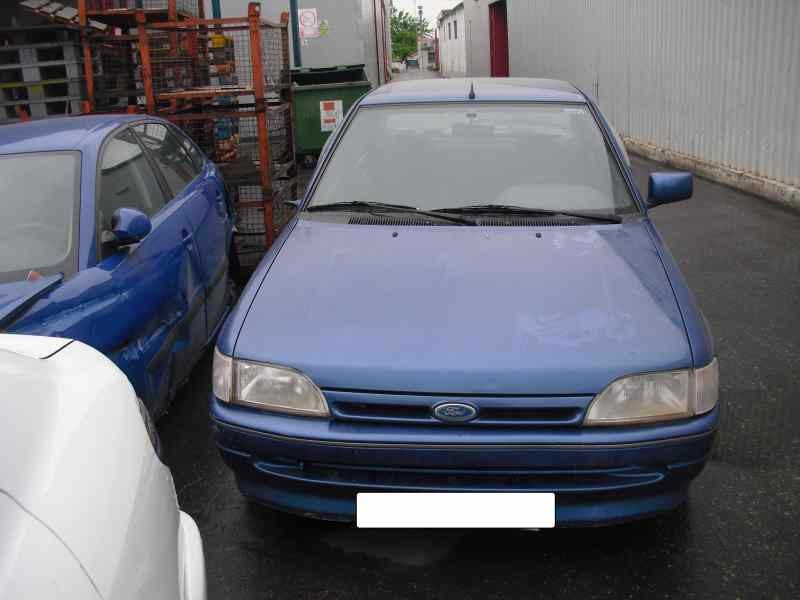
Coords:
117,71
250,240
230,49
178,61
275,50
281,141
240,129
202,65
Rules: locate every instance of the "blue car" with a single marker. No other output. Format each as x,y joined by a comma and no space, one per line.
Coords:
472,298
115,231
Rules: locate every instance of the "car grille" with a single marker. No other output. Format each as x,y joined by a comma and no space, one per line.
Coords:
454,480
492,412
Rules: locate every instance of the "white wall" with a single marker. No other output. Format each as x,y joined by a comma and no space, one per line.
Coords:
476,26
715,82
452,50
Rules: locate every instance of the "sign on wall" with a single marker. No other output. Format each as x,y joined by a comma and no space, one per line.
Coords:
331,113
309,23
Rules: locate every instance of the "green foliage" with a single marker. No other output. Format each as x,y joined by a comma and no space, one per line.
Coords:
405,29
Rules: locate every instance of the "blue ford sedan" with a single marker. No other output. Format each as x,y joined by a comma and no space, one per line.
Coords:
114,230
471,299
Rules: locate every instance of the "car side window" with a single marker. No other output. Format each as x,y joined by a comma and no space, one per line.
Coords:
198,158
170,155
126,180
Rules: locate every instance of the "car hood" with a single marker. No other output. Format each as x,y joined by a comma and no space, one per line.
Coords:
16,296
504,310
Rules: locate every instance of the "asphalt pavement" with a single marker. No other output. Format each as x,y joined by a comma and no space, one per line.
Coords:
738,537
414,73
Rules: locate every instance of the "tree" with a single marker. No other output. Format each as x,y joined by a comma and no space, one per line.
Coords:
405,30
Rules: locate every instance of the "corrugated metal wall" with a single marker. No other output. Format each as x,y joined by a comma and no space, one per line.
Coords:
718,80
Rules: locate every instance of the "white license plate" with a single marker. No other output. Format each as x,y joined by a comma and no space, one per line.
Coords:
456,510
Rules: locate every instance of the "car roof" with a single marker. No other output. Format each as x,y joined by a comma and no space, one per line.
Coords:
61,133
514,89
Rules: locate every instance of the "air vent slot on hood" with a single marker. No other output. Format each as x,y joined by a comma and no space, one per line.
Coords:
396,220
523,221
412,220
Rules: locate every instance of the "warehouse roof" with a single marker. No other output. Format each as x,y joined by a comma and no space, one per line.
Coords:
486,90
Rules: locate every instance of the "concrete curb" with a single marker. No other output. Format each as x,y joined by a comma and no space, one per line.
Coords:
771,189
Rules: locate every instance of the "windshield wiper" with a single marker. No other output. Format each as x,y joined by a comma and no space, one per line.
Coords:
522,210
382,206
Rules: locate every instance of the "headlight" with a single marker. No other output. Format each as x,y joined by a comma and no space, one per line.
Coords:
222,376
656,397
268,387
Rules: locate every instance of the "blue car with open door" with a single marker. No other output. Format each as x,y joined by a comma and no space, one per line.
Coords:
472,303
115,231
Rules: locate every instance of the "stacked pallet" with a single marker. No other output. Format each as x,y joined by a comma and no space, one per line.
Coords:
41,72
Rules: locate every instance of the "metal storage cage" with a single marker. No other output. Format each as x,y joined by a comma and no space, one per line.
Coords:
224,82
233,98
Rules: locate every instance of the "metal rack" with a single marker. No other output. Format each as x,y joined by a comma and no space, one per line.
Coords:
223,81
226,83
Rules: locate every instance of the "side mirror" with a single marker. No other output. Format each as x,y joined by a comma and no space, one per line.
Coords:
128,226
665,188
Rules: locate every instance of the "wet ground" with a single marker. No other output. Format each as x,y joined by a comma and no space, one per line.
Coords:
738,537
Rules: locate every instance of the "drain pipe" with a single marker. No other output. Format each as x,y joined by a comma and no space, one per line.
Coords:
298,57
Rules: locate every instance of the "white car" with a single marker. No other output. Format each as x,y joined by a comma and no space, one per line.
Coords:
87,509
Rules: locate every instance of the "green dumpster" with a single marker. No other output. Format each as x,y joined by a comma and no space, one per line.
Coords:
322,96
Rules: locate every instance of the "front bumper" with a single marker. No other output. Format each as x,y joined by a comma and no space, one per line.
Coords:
599,476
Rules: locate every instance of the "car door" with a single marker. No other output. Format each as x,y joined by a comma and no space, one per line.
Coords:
196,182
157,327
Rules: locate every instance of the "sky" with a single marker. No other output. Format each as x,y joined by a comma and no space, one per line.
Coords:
432,8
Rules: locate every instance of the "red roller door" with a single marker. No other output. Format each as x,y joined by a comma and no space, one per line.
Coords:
498,38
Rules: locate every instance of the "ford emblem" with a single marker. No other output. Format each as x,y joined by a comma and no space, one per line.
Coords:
455,412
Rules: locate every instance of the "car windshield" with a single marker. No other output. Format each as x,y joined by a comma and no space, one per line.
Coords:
38,213
535,155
